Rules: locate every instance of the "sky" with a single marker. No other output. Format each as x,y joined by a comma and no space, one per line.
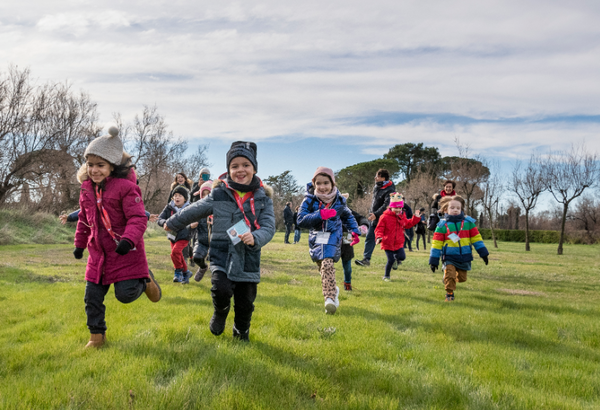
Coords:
329,83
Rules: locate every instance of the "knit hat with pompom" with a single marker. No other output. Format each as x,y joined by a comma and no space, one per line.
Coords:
108,147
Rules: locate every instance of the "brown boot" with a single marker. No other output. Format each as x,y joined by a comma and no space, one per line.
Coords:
96,340
152,289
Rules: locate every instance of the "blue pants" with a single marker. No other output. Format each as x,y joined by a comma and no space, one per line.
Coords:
392,256
347,270
297,235
370,241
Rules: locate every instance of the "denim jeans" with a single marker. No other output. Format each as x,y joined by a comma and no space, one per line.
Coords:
347,270
392,256
370,241
297,235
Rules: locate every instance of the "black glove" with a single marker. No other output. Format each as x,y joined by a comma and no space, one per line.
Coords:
485,259
123,247
78,253
433,268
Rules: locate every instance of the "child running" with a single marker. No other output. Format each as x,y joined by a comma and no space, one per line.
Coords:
111,225
324,211
180,241
202,236
239,199
452,240
390,232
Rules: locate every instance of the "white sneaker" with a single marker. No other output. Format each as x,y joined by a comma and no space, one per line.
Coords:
330,306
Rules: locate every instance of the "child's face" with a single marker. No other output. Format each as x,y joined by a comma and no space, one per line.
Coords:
454,208
448,188
205,193
323,185
98,168
241,170
180,179
178,199
397,211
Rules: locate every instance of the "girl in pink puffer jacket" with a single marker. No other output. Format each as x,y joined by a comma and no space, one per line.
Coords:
111,226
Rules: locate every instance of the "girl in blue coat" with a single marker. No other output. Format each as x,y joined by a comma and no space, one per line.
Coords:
324,211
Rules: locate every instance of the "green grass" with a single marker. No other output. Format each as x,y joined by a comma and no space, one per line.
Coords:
522,333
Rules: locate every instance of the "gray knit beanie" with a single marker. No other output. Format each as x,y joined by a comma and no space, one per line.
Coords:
243,149
108,147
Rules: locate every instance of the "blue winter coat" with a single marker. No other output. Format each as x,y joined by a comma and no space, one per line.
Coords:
309,216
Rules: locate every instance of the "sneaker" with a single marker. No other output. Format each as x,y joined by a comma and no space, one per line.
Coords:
200,274
347,286
186,276
449,297
364,262
241,336
386,279
337,299
153,289
395,265
330,307
217,322
178,277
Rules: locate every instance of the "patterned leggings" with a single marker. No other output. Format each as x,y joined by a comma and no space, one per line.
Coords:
327,270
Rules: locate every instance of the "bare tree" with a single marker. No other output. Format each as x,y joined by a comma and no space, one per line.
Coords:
568,174
492,188
528,183
586,215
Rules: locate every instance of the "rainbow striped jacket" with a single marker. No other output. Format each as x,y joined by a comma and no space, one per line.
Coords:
460,251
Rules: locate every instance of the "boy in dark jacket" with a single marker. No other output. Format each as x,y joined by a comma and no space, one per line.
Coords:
239,195
180,241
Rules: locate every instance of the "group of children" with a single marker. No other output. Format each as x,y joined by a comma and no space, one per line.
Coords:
234,218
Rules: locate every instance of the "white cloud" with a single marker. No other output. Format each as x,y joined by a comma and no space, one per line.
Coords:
261,69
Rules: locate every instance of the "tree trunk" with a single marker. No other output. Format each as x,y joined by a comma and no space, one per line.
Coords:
527,248
492,229
562,229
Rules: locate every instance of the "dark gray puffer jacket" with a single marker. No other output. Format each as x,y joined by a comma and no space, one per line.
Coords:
240,262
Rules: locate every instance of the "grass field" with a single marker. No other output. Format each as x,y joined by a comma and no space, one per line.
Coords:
523,333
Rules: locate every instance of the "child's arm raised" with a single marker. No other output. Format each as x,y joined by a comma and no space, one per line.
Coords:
191,213
308,219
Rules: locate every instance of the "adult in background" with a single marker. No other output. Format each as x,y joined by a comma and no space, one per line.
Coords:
180,179
203,177
381,199
447,190
421,229
288,219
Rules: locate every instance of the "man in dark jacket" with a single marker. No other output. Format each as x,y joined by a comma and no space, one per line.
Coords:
288,219
381,199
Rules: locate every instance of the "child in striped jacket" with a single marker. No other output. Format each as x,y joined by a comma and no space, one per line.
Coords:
454,237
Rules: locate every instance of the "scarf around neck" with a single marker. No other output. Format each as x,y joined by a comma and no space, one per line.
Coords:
327,198
454,218
251,187
176,208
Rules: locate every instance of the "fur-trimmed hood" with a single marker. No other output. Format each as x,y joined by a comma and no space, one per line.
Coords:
267,188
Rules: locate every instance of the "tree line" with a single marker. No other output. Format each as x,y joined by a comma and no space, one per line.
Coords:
45,128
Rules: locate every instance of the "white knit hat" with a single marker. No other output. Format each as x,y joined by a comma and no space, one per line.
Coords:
108,147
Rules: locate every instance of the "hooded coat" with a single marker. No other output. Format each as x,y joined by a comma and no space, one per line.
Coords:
391,228
240,262
381,198
309,216
122,200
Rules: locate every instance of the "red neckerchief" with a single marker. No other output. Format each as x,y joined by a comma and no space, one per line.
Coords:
240,202
104,215
387,184
443,193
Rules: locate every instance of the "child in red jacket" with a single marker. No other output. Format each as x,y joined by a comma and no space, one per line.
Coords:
390,231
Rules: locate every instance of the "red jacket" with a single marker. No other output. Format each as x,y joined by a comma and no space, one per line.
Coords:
391,229
122,199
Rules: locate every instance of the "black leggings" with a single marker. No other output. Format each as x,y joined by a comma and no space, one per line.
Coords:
392,256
